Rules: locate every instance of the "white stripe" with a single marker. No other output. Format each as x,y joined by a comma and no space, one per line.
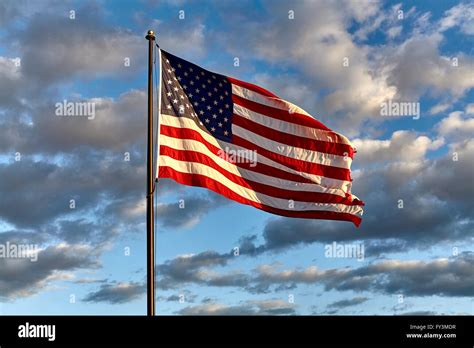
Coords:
197,146
293,151
268,101
291,128
183,122
201,169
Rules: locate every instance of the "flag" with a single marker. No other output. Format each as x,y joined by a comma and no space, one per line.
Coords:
249,145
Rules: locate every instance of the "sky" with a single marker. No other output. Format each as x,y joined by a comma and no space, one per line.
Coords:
74,187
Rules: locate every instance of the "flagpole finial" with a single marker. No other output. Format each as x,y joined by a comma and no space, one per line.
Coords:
150,35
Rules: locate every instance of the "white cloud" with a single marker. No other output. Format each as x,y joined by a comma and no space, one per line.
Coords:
461,16
403,146
457,124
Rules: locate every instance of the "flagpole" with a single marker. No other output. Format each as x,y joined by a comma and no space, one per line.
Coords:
150,240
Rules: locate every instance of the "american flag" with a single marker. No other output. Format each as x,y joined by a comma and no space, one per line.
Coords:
249,145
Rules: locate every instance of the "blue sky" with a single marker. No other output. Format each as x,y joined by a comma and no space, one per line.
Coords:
96,253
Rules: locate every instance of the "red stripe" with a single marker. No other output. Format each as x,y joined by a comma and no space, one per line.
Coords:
299,165
186,133
303,196
294,140
206,182
283,115
252,87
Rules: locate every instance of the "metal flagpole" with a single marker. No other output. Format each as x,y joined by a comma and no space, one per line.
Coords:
150,240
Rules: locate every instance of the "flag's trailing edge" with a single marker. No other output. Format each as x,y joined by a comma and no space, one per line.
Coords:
247,144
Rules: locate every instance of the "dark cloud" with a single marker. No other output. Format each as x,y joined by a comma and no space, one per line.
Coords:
117,293
37,192
185,268
266,307
442,277
184,213
430,203
24,277
347,303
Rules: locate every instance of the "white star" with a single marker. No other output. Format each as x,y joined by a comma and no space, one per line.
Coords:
215,102
185,73
213,129
168,106
191,83
203,99
168,94
220,124
170,82
220,84
185,87
196,103
214,76
226,93
207,120
181,96
191,69
175,101
201,112
179,65
203,86
167,61
208,107
226,106
221,111
221,97
179,78
176,89
202,73
198,90
225,119
214,116
209,94
169,70
226,133
208,81
197,77
215,89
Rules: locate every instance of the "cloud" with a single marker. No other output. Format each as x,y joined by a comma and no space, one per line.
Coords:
402,146
347,303
188,211
457,125
416,67
430,203
265,307
436,277
442,277
22,277
184,268
117,293
60,44
52,186
459,16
